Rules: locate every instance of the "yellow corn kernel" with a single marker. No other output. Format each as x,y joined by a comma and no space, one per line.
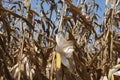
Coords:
112,77
58,61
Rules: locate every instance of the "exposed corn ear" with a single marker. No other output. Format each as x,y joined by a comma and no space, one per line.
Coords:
112,77
58,61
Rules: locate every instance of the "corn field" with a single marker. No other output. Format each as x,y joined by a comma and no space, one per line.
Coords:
29,40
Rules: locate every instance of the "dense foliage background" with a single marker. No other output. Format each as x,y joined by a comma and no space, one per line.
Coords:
27,38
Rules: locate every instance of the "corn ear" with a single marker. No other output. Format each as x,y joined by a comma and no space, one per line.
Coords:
112,77
58,61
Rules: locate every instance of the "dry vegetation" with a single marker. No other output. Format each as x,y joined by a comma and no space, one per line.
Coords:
27,39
